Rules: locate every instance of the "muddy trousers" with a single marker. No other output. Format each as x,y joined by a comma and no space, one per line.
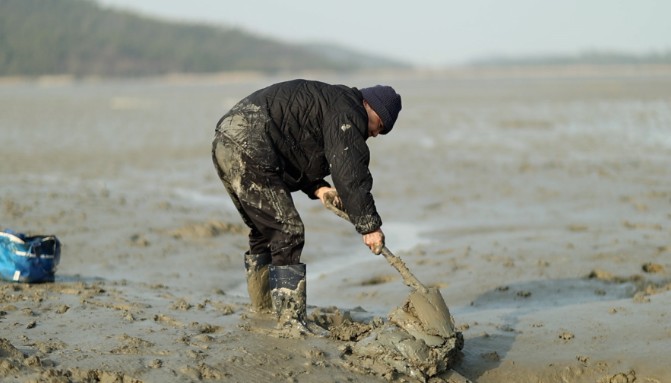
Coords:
263,201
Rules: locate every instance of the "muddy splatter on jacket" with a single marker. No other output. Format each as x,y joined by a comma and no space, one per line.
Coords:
317,129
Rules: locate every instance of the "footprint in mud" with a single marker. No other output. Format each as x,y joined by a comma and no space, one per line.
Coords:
168,320
202,372
139,240
378,280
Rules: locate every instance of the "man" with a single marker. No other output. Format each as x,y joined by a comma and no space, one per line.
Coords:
288,137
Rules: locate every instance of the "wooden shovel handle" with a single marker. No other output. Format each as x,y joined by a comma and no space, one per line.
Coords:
408,277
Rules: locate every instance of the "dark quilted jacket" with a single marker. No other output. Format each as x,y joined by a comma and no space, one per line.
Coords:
319,129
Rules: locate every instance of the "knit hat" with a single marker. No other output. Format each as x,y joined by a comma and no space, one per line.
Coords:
385,102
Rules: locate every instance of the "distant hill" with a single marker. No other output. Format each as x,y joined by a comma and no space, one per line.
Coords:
346,57
586,58
82,38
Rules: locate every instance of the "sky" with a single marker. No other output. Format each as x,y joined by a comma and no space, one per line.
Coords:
434,33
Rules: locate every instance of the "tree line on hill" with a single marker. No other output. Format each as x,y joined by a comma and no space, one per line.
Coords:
82,38
594,57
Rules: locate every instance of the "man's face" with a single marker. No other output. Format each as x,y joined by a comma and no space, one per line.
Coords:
374,121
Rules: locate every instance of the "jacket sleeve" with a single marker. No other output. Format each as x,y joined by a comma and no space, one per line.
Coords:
310,189
348,156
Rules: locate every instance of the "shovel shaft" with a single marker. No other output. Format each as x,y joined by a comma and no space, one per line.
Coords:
408,278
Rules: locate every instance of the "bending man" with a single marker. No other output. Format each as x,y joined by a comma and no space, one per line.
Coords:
288,137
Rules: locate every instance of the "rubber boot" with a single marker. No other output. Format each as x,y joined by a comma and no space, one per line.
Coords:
288,293
257,266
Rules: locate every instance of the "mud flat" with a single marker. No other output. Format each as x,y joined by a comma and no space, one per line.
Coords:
538,206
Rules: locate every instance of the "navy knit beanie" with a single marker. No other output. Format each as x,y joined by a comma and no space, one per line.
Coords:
385,102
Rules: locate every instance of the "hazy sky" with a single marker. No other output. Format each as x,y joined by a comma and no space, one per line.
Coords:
438,32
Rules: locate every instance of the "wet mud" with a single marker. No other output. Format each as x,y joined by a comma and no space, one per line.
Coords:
538,205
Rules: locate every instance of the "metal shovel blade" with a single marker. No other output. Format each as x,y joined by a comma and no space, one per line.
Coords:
430,309
425,304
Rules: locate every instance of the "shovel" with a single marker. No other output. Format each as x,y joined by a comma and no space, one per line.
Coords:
425,304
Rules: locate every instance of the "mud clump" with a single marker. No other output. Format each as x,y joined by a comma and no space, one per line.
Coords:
391,352
622,377
397,347
13,362
11,359
341,325
652,268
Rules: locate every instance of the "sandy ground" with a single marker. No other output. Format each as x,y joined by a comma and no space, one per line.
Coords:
554,261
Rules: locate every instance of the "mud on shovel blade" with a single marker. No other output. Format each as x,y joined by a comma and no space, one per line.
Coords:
426,304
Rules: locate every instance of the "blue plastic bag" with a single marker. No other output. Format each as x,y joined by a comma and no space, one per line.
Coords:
29,259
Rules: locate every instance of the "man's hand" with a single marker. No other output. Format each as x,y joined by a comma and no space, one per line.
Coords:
328,194
375,241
